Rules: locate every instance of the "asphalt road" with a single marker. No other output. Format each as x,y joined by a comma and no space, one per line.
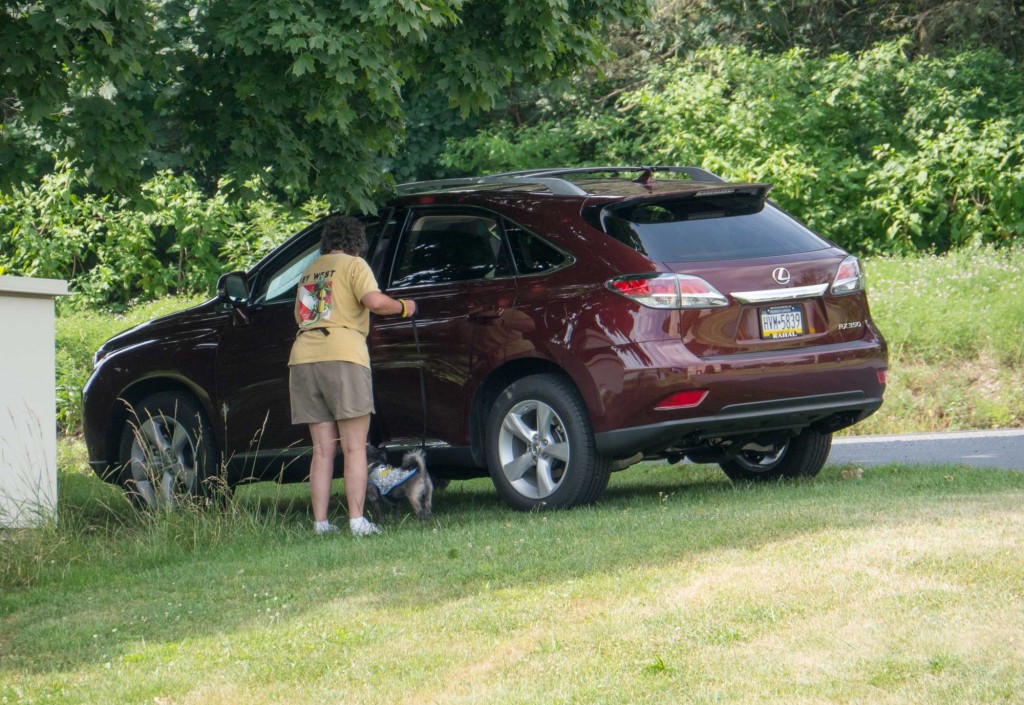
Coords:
994,449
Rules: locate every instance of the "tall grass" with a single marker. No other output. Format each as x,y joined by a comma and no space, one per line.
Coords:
955,328
98,529
960,306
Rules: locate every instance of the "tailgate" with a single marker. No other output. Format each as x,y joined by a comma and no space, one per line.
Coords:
774,304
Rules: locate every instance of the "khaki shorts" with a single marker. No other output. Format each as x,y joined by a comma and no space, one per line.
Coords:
329,391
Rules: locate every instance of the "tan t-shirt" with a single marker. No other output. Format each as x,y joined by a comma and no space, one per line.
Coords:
333,322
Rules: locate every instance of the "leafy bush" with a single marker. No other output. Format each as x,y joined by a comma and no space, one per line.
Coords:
170,238
824,26
879,152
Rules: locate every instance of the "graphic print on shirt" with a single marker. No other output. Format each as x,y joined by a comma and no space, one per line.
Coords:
315,301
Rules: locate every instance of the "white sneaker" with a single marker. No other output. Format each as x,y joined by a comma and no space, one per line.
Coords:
325,528
362,527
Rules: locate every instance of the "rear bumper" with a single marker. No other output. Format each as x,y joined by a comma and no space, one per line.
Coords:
829,412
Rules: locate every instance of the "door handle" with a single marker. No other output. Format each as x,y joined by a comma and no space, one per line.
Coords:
484,316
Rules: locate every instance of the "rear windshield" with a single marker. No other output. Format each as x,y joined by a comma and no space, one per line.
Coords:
705,229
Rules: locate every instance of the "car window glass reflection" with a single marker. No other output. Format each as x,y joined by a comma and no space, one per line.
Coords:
281,286
532,255
450,248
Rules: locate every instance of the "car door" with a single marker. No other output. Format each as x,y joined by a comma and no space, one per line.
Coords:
252,362
454,262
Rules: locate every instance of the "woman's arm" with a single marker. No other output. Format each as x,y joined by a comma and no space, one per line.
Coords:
384,305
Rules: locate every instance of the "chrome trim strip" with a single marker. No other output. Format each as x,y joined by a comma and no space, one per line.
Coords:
403,445
765,295
414,287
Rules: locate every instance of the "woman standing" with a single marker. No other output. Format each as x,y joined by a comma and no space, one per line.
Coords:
329,366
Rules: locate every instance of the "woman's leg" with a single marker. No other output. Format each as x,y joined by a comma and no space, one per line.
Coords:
353,434
321,470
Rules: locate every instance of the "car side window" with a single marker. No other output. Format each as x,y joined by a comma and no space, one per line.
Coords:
441,248
280,285
531,254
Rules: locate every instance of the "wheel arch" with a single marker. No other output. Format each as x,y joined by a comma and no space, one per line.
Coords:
492,385
139,390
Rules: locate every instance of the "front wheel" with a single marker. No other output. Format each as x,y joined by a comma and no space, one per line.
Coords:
801,456
540,446
168,453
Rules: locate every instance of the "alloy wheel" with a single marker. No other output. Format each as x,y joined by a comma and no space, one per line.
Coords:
533,449
760,459
163,462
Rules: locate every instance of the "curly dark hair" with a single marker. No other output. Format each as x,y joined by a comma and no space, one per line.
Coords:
345,233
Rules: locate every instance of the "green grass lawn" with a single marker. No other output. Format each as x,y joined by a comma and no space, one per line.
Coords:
904,587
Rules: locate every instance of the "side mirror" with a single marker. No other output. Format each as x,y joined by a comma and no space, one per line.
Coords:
233,288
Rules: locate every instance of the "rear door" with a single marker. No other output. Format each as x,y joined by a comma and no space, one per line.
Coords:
454,262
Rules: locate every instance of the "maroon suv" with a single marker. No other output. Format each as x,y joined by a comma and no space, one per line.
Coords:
572,322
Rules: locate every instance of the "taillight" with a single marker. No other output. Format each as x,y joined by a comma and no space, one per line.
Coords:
682,400
849,278
668,291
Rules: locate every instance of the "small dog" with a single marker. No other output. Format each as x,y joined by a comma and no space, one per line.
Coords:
388,485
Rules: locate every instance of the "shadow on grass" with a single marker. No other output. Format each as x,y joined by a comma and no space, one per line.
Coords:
119,579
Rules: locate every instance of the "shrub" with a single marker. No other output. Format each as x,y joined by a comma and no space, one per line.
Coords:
169,238
879,152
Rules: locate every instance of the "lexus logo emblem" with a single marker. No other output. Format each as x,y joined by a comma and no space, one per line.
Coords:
781,275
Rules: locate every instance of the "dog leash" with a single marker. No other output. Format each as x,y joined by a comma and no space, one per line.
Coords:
423,384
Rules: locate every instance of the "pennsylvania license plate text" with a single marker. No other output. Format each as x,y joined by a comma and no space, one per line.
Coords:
782,322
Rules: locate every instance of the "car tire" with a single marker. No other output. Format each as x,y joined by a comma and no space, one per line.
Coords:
541,452
168,453
802,456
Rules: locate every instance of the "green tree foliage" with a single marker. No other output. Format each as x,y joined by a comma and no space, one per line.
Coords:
64,64
877,151
676,29
824,26
170,238
308,94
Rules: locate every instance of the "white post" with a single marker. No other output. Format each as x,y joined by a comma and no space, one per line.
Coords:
28,423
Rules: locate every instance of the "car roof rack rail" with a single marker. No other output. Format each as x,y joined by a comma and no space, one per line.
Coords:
695,173
553,179
559,187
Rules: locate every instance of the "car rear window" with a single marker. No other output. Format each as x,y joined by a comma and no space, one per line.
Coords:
713,228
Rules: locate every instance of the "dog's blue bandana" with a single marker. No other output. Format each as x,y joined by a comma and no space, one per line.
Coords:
386,478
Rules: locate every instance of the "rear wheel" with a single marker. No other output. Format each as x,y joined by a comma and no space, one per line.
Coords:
168,453
801,456
540,446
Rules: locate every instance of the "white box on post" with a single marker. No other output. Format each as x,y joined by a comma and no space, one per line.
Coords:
28,422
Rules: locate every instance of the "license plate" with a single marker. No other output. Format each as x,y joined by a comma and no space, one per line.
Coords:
782,322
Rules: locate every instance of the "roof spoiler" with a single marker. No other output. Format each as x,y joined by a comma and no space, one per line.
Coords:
598,215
